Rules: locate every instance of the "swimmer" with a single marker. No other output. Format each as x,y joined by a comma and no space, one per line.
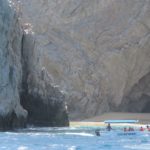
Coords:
109,128
141,129
97,132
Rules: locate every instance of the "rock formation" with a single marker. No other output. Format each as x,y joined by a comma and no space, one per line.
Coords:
11,112
96,52
44,102
20,84
93,53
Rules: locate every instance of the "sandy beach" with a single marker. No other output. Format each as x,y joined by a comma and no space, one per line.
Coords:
144,118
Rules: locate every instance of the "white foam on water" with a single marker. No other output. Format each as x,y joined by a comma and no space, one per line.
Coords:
80,134
22,148
139,147
73,139
72,148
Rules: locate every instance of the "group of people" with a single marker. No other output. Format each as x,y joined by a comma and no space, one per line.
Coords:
130,129
140,129
143,129
109,128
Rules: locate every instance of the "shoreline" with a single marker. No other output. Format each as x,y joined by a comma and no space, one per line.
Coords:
144,119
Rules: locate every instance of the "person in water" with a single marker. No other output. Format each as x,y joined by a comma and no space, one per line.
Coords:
97,132
148,128
109,128
131,129
141,129
125,129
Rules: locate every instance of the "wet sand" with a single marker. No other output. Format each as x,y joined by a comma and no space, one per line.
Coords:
144,118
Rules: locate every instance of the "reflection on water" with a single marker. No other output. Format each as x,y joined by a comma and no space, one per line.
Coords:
72,139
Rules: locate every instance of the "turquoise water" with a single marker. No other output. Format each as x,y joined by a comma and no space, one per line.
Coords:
72,139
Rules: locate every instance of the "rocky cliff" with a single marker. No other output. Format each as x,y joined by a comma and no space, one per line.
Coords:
44,102
94,55
96,52
26,96
11,112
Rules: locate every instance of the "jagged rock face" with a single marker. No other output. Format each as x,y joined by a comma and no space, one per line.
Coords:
11,112
20,79
45,103
97,52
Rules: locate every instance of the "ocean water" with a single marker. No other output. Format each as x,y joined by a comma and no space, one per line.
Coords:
72,139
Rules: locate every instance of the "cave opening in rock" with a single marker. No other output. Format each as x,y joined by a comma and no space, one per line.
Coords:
146,108
42,113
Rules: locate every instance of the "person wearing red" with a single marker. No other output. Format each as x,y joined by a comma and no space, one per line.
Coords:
148,128
141,129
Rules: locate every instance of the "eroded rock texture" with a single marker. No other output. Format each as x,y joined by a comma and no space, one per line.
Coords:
22,80
96,51
45,103
11,112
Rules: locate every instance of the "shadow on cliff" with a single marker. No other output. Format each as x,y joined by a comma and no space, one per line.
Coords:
138,99
45,104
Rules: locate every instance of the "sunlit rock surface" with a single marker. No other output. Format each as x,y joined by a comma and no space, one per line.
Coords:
96,51
11,112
